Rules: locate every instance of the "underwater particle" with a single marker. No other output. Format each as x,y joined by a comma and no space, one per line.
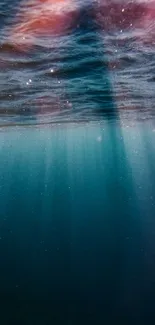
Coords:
99,138
52,70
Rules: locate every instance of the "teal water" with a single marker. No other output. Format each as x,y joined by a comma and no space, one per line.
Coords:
77,224
77,172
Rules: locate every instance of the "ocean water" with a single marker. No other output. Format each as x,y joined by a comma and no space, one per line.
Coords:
77,174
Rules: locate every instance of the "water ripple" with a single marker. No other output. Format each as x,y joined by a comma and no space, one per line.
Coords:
100,67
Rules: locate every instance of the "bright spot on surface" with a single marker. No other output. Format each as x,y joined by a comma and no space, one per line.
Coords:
28,82
52,70
69,104
123,10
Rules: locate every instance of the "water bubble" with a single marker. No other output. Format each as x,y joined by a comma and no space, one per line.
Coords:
99,138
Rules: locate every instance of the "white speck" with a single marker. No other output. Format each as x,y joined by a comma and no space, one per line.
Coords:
52,70
99,138
121,31
27,83
69,104
123,10
23,38
115,51
131,24
30,80
58,82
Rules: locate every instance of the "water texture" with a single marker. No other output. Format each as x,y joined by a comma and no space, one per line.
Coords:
97,61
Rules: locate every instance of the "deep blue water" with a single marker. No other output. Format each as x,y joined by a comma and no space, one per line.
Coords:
77,173
77,225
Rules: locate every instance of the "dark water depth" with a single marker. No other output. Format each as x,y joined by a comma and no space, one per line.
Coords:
77,224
